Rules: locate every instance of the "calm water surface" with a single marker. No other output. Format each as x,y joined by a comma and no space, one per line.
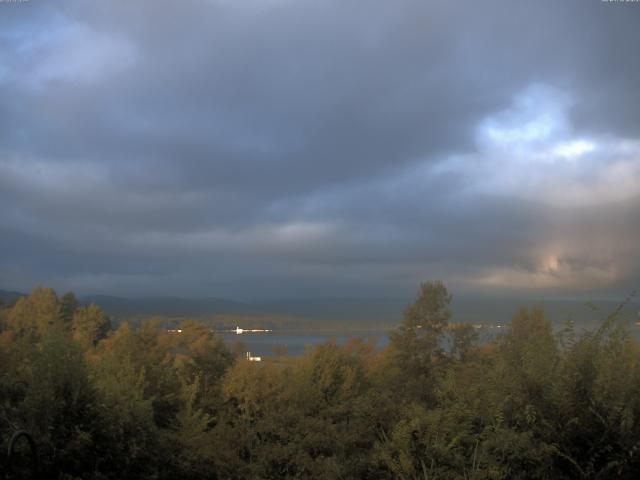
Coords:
294,342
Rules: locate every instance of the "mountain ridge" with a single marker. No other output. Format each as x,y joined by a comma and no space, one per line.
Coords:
350,310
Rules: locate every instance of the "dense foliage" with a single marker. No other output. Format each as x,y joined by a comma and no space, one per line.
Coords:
142,403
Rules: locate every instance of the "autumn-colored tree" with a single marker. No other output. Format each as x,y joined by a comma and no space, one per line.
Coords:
89,325
145,403
33,315
149,349
206,356
128,437
59,406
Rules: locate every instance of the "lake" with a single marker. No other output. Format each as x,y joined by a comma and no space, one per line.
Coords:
294,342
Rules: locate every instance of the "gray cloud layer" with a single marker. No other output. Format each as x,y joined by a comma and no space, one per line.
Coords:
309,148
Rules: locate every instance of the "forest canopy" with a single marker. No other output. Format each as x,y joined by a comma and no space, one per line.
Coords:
139,402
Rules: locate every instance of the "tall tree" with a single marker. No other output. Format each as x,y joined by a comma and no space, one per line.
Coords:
415,341
59,406
89,325
68,305
205,359
34,315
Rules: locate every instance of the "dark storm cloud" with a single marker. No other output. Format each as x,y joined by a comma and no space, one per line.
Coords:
283,148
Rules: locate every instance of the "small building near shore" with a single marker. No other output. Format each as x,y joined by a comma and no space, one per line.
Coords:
253,359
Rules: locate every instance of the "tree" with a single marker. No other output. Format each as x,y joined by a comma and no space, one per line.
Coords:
528,353
68,305
415,341
128,437
463,338
430,311
32,316
59,406
307,419
207,356
150,350
89,325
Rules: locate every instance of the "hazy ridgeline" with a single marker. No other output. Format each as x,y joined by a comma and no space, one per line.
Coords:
137,402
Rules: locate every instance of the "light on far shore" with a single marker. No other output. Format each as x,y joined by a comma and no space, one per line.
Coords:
240,331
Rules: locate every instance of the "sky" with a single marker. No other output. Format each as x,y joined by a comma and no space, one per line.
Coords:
262,149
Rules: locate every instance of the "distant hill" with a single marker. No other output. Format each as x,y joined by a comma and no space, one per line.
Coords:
9,296
314,309
345,311
169,306
358,311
